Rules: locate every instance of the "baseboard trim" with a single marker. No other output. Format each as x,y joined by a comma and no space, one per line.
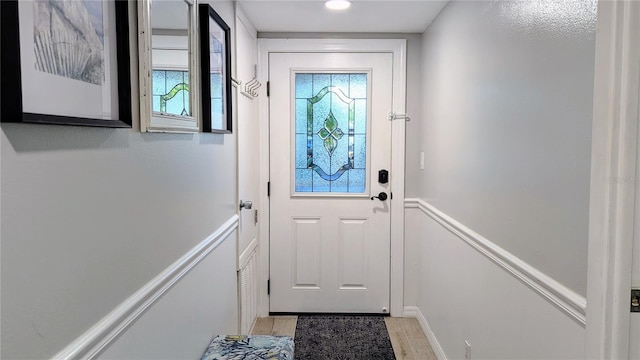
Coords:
414,312
565,299
104,332
410,312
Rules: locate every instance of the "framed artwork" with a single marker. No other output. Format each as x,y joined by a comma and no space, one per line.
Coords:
215,53
65,62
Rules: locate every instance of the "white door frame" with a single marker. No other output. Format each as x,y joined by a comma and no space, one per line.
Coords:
614,179
398,48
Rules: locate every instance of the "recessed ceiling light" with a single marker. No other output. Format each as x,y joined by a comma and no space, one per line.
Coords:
337,4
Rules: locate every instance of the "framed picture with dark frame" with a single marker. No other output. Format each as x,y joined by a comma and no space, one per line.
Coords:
215,60
65,63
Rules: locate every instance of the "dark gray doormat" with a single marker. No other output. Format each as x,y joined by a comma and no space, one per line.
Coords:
337,337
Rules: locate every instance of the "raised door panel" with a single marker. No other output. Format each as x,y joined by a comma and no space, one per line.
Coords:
352,253
306,236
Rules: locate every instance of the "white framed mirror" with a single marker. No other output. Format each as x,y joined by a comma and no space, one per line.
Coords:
168,82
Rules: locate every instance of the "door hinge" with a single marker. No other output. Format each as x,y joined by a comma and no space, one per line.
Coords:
268,88
255,219
269,287
269,188
635,300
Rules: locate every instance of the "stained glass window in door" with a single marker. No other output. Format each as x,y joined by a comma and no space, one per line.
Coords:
171,92
331,127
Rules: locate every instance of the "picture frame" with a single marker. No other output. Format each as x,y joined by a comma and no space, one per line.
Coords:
71,71
168,43
215,62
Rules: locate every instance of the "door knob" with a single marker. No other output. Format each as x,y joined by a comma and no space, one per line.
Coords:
245,205
382,196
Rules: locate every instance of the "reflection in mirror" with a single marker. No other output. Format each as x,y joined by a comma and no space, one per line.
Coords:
167,81
215,62
217,71
170,57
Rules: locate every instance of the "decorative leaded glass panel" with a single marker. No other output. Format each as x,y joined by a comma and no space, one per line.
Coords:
330,126
171,92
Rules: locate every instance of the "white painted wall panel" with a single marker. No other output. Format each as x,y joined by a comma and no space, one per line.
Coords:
412,257
248,283
183,322
508,89
465,296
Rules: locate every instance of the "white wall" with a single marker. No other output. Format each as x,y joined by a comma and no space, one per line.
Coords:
90,215
508,89
506,130
183,322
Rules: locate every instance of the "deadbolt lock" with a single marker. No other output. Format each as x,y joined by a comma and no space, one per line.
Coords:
635,300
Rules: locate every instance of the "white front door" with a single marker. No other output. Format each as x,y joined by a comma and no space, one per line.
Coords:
330,135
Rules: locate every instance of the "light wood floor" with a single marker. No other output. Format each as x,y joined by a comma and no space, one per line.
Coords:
276,325
407,338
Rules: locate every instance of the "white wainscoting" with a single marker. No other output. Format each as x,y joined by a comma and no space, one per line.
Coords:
248,284
468,288
564,298
202,297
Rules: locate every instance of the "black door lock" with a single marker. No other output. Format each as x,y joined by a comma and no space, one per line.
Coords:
635,300
382,196
383,176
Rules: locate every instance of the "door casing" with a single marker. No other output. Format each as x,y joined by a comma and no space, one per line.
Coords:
614,181
398,48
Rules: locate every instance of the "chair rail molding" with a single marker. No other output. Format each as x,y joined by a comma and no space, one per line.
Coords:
565,299
104,332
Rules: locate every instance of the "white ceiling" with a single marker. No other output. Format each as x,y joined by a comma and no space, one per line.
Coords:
363,16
